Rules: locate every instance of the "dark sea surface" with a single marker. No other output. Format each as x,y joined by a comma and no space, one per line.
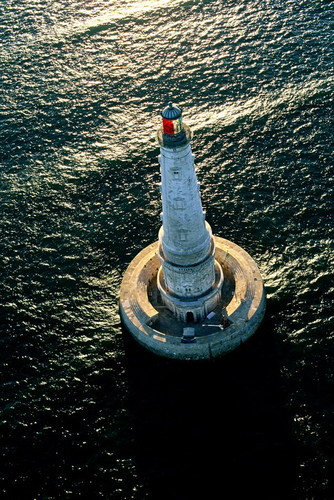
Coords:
87,413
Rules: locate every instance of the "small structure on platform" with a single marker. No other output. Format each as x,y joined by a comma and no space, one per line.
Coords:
190,295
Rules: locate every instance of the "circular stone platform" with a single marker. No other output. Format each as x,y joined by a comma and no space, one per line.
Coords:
231,323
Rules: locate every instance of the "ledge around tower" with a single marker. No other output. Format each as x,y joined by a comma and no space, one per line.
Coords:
230,324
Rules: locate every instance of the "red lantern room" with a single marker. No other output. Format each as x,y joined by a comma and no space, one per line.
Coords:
172,120
173,133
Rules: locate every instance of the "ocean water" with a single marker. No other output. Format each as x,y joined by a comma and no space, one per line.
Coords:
86,413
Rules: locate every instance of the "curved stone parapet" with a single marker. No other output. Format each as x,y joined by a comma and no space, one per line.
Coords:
231,323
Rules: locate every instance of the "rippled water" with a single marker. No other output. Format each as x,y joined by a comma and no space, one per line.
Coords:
86,413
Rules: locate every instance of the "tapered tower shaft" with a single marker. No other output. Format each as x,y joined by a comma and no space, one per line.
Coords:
184,235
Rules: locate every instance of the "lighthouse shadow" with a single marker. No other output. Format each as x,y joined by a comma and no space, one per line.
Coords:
211,429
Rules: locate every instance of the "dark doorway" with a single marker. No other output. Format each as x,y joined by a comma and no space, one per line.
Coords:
190,317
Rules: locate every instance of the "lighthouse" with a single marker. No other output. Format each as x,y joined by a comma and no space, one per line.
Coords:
189,295
189,279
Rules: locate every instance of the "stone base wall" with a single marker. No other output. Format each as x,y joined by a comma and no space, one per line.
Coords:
157,331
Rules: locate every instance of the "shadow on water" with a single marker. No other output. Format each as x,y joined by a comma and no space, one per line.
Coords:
208,428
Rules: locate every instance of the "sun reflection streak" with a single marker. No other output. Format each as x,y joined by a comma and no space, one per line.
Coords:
125,10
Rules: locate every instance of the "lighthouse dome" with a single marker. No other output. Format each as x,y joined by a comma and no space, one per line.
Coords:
171,112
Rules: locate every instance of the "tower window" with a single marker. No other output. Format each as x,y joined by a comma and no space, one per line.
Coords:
183,236
176,174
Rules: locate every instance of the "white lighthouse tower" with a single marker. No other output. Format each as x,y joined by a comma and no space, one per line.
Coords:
190,279
189,295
